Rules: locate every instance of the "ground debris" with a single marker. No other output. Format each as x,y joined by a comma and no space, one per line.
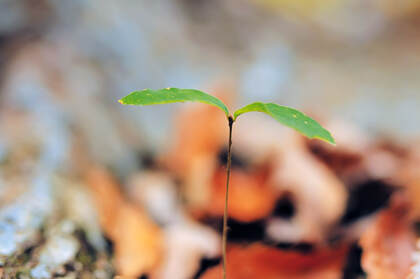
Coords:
389,243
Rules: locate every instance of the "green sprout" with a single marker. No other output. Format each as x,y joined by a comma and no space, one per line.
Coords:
287,116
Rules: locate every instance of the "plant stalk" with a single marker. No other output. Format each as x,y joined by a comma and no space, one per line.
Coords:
225,213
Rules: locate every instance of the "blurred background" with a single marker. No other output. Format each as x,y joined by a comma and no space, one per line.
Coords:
93,189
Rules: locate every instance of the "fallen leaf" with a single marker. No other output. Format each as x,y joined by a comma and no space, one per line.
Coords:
259,261
389,243
250,198
137,240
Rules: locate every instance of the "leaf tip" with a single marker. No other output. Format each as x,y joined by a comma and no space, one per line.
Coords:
329,140
121,101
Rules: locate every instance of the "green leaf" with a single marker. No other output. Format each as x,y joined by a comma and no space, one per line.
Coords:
171,95
291,118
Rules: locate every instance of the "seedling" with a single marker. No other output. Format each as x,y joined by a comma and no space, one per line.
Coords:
285,115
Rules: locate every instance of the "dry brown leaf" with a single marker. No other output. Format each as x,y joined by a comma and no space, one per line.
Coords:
199,130
258,261
320,197
249,197
137,240
107,196
200,133
389,243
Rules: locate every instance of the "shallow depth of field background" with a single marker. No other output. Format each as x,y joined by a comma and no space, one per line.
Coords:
64,65
347,59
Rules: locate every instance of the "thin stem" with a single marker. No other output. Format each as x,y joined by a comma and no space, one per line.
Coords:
225,213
